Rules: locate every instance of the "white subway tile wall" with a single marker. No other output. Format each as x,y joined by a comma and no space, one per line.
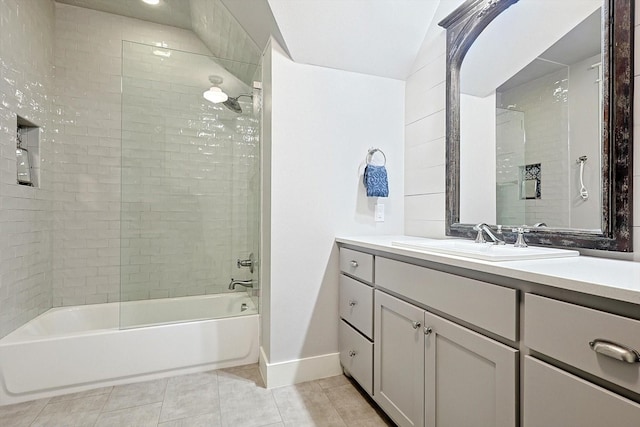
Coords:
26,87
185,178
87,253
225,37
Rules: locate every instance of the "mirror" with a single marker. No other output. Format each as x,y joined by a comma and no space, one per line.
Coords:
539,120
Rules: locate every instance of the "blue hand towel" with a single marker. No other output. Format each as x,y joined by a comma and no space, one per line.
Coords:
375,180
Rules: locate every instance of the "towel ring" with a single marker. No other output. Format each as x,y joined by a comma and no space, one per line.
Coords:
370,154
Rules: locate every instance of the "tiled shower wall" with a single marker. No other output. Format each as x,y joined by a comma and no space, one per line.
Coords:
88,55
26,80
185,173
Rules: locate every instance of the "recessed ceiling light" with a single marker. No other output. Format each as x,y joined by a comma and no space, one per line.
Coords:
154,2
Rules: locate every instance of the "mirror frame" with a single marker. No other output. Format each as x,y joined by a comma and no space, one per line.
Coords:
463,26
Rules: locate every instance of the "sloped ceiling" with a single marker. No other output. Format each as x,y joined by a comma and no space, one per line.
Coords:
169,12
378,37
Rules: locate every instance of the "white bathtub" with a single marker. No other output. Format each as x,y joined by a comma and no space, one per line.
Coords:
71,349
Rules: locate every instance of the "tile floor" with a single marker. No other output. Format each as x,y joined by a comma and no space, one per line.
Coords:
233,397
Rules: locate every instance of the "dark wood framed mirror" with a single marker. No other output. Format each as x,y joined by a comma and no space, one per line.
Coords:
614,232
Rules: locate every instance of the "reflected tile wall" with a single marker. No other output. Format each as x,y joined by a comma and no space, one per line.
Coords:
544,101
26,85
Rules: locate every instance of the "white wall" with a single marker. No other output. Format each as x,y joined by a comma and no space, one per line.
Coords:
322,123
26,88
425,133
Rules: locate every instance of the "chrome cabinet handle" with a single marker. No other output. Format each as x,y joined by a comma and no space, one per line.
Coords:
428,330
615,351
352,353
354,263
352,302
416,324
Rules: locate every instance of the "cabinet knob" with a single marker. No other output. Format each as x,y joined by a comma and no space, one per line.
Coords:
354,263
416,324
428,330
352,302
352,353
615,351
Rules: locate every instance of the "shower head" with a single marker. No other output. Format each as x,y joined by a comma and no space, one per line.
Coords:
233,104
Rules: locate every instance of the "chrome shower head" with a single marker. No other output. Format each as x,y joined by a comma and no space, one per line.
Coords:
233,104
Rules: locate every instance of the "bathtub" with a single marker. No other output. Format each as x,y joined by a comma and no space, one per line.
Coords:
72,349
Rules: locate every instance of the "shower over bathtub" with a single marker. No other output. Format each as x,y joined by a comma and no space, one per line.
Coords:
71,349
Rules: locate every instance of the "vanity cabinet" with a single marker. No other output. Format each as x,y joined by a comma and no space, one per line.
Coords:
598,343
433,372
438,346
470,380
355,306
399,359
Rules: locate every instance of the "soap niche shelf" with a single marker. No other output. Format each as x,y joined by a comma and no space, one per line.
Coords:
27,152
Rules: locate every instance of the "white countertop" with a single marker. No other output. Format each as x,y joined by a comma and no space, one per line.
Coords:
615,279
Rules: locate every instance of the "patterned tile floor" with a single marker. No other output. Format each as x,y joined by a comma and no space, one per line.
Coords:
233,397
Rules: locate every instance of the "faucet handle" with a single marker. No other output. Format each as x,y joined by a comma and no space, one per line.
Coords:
480,236
520,242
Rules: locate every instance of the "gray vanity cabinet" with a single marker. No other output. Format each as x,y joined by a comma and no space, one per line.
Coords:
555,398
398,360
453,347
355,307
470,380
433,372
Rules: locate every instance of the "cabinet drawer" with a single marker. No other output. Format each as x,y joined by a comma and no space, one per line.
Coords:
357,264
490,307
564,331
356,356
554,398
356,304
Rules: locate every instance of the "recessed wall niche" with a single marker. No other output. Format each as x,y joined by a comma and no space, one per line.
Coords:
27,152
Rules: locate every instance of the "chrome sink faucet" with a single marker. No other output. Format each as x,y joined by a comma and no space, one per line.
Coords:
482,227
245,283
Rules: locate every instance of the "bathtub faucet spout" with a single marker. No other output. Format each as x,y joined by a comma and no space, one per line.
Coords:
245,283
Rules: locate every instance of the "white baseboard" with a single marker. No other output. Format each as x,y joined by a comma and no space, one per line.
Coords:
298,370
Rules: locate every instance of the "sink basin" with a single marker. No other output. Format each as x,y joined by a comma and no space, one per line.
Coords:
484,251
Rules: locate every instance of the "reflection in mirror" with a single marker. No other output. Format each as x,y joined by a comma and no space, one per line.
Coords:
535,123
539,100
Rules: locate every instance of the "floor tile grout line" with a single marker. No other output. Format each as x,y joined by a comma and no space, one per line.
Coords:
164,398
275,401
39,412
95,423
219,403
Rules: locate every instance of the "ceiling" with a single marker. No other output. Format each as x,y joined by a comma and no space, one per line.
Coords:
176,13
380,37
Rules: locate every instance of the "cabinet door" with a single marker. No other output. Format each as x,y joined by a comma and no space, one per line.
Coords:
470,380
399,360
554,398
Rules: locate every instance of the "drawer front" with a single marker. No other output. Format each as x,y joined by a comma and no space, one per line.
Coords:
555,398
563,331
356,356
357,264
356,304
490,307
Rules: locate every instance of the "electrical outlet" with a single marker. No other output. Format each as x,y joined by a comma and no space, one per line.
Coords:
379,215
